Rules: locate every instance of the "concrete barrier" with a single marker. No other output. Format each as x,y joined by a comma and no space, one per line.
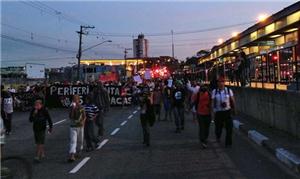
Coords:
279,109
288,158
257,137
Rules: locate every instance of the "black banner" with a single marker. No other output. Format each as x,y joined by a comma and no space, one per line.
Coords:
61,95
119,95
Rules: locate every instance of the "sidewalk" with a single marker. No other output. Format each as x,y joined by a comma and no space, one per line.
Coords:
284,146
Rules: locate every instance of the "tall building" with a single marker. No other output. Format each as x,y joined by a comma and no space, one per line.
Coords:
140,47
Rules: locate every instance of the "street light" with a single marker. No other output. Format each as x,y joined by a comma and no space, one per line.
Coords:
95,45
78,56
220,41
234,34
262,17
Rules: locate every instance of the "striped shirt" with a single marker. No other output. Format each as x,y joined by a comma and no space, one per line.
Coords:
91,111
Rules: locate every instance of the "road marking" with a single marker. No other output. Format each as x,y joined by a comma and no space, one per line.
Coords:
102,144
78,166
123,123
115,131
129,117
58,122
134,112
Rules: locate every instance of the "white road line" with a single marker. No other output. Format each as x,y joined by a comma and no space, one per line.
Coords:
102,144
134,112
129,117
115,131
78,166
123,123
58,122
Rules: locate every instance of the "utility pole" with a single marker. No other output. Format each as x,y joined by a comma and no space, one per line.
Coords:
78,56
172,43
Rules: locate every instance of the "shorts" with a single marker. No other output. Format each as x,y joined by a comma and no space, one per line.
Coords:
39,136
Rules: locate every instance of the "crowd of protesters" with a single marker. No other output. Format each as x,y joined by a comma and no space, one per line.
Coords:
175,98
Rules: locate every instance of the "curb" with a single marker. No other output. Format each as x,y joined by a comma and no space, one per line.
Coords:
289,159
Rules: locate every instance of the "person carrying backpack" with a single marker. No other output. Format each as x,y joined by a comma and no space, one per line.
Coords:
202,103
223,105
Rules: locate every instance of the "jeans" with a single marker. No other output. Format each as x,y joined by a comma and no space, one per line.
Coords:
99,123
7,122
224,118
179,117
89,134
76,134
204,125
146,129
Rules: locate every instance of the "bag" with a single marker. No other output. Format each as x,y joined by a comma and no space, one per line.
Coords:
151,115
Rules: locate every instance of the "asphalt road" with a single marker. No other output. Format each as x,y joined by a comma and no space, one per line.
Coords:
170,155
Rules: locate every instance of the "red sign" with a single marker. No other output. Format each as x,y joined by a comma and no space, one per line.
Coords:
109,77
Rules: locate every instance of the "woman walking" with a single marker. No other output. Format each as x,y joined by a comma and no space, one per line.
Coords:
77,118
202,103
39,116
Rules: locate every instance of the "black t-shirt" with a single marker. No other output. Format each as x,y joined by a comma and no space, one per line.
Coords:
178,96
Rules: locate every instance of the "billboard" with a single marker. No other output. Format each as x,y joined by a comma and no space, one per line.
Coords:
35,71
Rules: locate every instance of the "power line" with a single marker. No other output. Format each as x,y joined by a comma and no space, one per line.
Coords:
33,33
39,59
175,33
36,44
53,12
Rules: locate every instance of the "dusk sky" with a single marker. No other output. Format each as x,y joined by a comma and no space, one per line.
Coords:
26,23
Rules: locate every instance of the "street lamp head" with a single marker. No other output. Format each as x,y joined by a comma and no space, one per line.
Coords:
109,41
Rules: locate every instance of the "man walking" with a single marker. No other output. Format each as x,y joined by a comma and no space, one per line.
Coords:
91,112
101,100
6,109
223,104
178,96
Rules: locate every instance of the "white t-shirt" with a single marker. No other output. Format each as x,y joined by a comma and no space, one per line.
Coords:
221,96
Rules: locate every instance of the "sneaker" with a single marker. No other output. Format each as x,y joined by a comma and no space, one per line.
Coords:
70,160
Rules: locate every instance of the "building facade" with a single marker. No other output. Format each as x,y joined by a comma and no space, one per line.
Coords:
271,46
140,47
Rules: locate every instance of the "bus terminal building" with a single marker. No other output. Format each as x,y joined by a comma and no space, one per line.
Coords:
272,49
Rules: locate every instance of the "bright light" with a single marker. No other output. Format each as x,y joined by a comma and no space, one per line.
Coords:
275,36
262,17
234,34
220,41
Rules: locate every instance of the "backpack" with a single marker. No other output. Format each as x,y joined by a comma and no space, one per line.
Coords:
227,91
196,103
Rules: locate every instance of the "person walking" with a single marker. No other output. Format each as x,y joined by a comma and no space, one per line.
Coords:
147,116
178,97
101,100
91,112
7,110
167,97
39,116
77,119
223,105
202,101
157,98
